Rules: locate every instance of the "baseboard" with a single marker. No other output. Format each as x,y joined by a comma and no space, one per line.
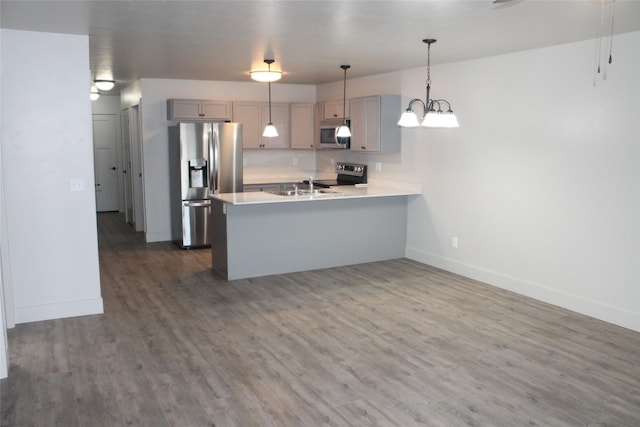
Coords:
36,313
159,236
617,316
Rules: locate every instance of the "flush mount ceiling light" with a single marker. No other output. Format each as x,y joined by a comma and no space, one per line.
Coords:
105,85
343,131
270,130
266,76
432,108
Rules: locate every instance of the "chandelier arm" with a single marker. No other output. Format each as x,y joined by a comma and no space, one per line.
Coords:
413,101
444,101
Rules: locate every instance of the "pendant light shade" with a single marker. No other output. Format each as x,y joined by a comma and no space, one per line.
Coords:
94,95
270,130
408,119
343,130
431,117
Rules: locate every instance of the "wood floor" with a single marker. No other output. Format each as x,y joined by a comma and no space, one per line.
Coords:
393,343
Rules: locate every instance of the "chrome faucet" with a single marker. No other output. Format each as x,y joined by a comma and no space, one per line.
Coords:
311,184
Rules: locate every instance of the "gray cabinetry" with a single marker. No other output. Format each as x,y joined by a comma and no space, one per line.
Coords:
374,125
198,109
254,116
302,126
333,109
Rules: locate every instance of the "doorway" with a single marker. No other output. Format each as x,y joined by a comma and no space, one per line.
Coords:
105,162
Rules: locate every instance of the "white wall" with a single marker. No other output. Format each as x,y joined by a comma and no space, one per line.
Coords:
46,142
540,184
155,93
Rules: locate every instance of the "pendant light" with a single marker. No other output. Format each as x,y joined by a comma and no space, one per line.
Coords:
270,130
432,117
343,130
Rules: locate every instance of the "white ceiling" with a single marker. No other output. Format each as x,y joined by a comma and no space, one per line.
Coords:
224,40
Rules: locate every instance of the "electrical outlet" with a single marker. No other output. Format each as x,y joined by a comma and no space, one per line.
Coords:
333,162
244,161
379,166
295,161
454,242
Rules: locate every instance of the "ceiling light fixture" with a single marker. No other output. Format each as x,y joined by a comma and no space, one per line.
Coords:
105,85
432,117
343,130
270,130
266,76
94,95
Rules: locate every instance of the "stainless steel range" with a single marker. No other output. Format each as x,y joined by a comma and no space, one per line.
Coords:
348,174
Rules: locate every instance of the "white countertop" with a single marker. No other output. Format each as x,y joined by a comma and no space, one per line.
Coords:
378,188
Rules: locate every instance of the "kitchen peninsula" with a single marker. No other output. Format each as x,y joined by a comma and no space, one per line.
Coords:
261,233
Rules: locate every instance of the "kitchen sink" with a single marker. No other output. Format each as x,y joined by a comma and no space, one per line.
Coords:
305,192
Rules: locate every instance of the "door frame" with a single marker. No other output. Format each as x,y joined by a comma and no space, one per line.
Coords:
137,161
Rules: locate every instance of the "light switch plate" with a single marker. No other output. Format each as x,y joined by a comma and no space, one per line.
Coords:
76,184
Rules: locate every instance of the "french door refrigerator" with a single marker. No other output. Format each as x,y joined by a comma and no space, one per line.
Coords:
204,159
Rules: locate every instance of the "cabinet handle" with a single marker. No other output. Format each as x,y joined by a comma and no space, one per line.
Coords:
364,148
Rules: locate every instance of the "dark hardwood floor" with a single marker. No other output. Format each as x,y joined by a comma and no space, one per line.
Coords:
394,343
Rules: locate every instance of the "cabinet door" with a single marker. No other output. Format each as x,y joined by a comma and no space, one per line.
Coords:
184,109
365,124
372,113
248,113
335,110
216,109
280,119
302,126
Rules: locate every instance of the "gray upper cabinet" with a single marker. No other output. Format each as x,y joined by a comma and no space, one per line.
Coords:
334,109
302,126
254,116
198,109
374,124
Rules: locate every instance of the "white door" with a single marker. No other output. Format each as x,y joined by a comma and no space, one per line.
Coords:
105,161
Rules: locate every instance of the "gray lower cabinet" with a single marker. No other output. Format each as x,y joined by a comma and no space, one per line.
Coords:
252,240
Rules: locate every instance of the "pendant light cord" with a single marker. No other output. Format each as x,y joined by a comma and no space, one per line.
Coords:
344,96
613,13
269,96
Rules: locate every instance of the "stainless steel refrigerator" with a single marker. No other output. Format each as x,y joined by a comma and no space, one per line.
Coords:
204,159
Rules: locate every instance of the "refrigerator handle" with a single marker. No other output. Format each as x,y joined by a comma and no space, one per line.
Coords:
200,204
214,155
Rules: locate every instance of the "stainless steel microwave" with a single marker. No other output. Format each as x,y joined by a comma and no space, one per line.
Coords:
328,138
